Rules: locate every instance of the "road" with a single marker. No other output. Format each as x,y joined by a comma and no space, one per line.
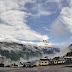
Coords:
56,68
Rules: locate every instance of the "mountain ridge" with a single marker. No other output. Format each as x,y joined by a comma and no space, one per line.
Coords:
16,50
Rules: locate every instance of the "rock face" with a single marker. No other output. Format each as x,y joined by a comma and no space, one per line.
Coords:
70,47
15,50
69,53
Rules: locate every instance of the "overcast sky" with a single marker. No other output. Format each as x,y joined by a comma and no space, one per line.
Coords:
36,20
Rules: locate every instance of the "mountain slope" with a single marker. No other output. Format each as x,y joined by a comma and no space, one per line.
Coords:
69,53
15,50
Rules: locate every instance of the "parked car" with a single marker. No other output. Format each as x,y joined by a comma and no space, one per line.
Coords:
28,65
7,66
20,65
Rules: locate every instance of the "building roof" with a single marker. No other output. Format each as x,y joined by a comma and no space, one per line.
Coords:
58,59
44,58
68,57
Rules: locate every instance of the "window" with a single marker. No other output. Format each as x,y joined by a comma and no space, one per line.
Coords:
45,62
42,62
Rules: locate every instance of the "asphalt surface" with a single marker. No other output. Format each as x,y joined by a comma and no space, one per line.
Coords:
56,68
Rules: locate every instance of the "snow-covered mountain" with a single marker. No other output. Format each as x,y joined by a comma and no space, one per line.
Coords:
26,50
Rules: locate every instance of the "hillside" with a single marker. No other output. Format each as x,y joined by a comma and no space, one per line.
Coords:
15,50
69,53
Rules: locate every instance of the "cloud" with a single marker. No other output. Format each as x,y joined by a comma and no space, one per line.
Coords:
47,28
58,29
44,7
66,15
40,10
42,13
13,21
64,49
62,26
54,0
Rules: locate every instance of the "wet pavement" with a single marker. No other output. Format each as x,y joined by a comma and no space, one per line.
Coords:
56,68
